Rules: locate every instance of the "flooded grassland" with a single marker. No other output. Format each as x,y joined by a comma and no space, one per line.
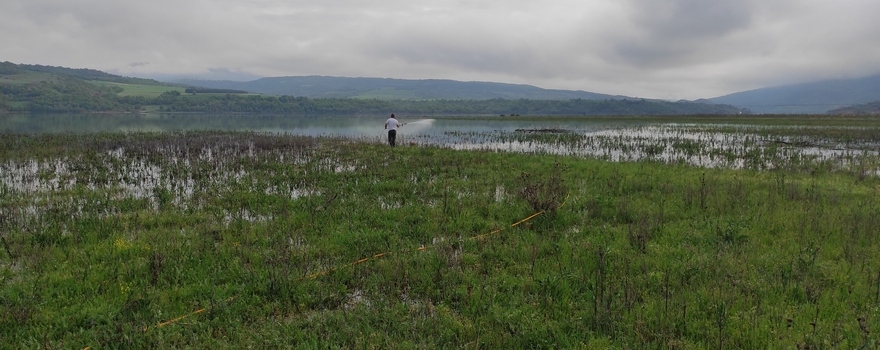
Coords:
678,234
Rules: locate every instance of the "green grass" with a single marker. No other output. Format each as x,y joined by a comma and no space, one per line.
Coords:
27,78
149,91
17,104
107,237
152,91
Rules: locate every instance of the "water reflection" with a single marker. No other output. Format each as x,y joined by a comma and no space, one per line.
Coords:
364,126
623,139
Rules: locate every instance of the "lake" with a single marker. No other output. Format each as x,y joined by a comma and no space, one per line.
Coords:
727,142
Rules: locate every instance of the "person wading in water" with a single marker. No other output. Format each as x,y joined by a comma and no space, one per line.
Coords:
392,125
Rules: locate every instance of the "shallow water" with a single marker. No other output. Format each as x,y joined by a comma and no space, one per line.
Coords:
614,139
365,126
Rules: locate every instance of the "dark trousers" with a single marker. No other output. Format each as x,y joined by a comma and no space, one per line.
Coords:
392,137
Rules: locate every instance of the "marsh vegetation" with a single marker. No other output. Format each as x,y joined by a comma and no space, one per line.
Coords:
268,239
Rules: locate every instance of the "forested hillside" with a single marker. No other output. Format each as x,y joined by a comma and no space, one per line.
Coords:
872,108
41,89
396,89
57,93
86,74
47,89
814,97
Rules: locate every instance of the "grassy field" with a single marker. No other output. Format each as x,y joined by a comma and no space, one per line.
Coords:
149,91
152,91
238,240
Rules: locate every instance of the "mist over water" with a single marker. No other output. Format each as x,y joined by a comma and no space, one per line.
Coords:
417,126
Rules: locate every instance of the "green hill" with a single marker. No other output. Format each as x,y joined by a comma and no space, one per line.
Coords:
48,89
815,97
872,108
43,89
87,74
384,88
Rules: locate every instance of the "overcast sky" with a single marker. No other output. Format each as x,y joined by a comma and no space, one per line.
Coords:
669,49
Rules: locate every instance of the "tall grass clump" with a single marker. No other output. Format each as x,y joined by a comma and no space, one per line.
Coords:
544,194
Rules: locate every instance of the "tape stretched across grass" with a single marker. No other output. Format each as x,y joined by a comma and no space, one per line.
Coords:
422,248
327,271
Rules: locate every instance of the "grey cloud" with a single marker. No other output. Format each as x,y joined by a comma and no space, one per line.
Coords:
664,49
692,18
681,32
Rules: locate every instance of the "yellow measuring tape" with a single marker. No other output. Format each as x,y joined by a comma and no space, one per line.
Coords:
327,271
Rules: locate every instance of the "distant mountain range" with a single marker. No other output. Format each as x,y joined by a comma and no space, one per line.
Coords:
841,96
815,97
385,88
47,89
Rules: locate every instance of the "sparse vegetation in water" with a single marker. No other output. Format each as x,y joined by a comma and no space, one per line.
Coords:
805,148
201,239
